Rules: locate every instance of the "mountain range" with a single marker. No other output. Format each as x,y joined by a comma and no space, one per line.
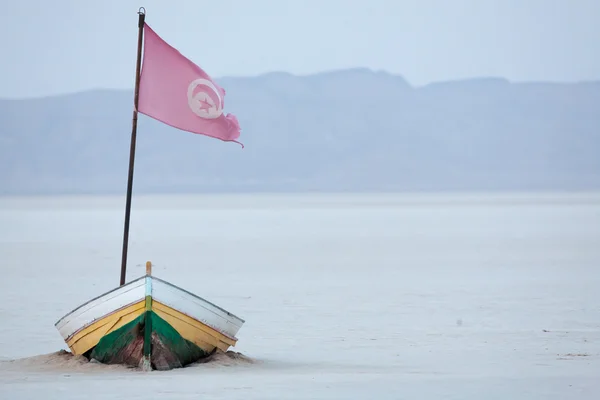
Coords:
347,130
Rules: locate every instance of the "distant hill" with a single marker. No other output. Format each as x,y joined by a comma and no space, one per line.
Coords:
349,130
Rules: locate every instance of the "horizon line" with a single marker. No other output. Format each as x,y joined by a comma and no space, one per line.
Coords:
325,72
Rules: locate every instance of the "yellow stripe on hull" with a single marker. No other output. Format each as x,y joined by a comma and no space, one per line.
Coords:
89,337
193,330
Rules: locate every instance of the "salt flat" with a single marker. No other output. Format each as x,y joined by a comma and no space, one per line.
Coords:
344,296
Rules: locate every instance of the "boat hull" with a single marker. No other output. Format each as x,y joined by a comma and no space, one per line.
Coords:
149,323
168,348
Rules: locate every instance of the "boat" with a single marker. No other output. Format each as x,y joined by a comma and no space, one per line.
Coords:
148,322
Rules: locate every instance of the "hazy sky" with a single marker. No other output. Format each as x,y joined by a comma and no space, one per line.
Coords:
60,46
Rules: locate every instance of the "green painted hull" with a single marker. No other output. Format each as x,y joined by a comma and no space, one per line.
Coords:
164,345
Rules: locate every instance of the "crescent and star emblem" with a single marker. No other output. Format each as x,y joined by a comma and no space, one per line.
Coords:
200,100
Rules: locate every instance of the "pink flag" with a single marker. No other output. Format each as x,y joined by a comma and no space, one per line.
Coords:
177,92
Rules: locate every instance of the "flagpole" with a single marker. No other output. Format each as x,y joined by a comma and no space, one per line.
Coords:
141,19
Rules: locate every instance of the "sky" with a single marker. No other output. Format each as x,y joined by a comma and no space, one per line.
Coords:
64,46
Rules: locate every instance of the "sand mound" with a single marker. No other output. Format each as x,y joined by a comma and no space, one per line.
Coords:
226,359
66,362
61,360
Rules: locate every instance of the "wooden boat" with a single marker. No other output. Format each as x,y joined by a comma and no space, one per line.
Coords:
149,323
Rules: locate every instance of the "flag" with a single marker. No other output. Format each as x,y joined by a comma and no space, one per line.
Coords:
177,92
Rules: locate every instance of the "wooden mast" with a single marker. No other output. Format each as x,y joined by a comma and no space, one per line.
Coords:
141,20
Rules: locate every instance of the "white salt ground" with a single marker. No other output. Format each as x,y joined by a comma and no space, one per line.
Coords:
344,297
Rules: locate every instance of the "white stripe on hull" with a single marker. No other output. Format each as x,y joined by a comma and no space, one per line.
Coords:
196,307
162,291
100,307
